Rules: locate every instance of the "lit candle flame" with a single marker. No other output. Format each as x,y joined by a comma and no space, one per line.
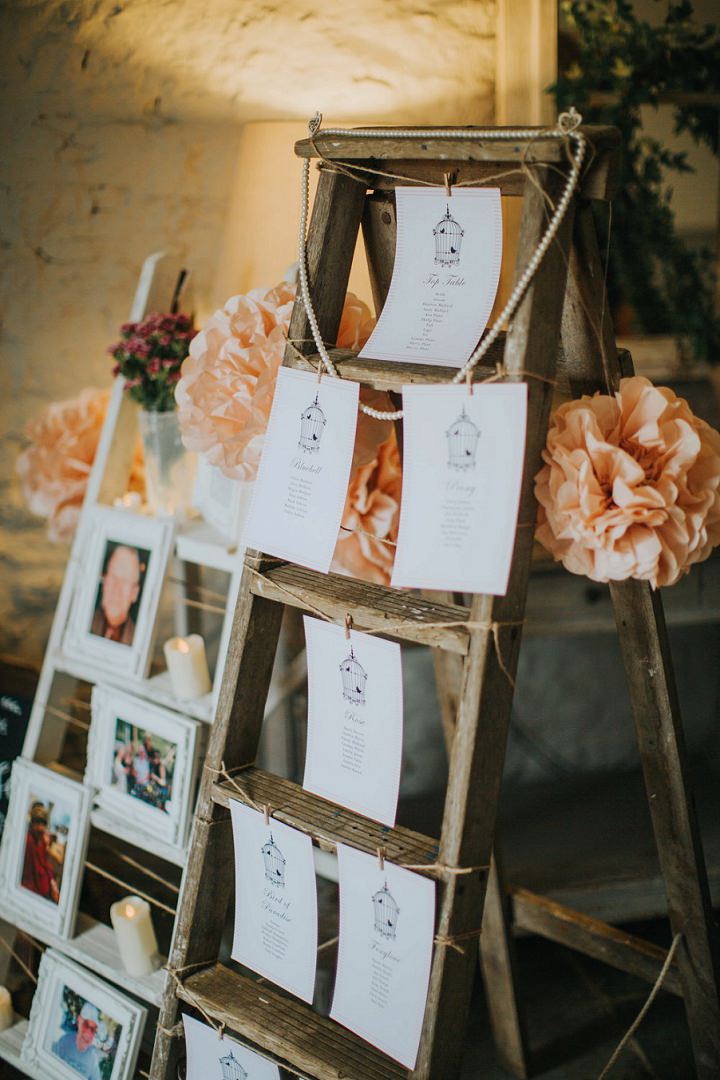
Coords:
182,645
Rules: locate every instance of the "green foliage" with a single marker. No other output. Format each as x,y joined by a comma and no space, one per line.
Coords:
623,63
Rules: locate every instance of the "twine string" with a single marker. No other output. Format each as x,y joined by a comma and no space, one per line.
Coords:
175,974
492,626
645,1009
145,870
132,889
452,941
18,959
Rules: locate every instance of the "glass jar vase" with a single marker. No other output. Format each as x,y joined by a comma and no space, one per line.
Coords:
169,467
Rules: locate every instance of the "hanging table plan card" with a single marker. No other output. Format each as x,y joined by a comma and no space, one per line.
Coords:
462,471
447,267
355,719
387,926
304,470
213,1058
275,901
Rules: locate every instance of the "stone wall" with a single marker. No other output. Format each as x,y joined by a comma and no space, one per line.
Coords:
122,124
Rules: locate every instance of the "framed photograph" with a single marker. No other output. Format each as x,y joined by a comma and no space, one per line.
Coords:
143,760
223,502
81,1028
117,590
43,848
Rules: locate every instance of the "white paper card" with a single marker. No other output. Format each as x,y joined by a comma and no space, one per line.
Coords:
304,470
275,901
447,267
462,472
355,718
387,926
212,1058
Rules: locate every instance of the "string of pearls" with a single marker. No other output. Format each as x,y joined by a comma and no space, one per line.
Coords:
567,129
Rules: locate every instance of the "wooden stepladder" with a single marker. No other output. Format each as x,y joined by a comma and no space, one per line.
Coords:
564,303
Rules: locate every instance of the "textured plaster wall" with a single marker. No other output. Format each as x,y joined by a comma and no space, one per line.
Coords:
122,124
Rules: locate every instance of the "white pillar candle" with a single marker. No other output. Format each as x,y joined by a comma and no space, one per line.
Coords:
187,664
7,1016
135,935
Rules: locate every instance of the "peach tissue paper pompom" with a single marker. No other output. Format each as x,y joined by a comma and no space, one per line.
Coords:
372,507
630,487
228,380
55,467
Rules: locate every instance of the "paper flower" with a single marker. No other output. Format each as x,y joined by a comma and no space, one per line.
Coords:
228,380
54,468
630,487
372,507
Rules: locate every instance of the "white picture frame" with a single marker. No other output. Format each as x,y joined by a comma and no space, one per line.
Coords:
222,501
54,1048
41,869
158,801
136,572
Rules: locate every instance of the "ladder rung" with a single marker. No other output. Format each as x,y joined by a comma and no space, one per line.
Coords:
328,823
287,1028
407,616
390,374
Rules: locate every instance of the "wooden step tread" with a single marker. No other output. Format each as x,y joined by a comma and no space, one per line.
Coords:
286,1028
328,823
391,375
371,606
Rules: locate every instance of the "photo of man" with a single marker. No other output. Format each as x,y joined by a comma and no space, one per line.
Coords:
143,764
45,845
88,1039
119,592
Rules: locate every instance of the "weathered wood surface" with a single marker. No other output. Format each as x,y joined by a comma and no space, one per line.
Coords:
490,160
373,607
316,1047
234,736
587,334
334,225
326,822
497,963
478,752
538,915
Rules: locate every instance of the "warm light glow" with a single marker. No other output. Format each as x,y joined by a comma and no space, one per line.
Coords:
182,645
129,912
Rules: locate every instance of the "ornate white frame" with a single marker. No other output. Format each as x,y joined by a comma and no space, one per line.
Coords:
103,524
18,904
109,705
56,971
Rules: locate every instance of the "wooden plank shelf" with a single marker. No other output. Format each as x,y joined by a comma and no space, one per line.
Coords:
94,946
539,915
326,822
373,606
391,375
288,1029
11,1041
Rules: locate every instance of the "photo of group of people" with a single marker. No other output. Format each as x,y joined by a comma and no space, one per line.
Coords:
84,1037
143,764
119,592
46,837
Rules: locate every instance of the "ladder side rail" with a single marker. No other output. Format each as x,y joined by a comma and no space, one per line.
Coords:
483,718
653,694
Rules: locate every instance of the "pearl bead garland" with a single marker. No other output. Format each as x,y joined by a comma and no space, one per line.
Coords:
566,129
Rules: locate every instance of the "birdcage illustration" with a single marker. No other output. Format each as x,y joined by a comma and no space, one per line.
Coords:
312,425
386,913
462,440
448,240
231,1068
274,862
354,679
